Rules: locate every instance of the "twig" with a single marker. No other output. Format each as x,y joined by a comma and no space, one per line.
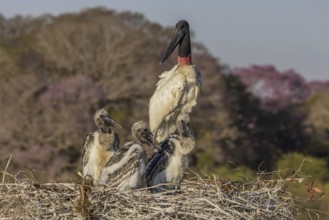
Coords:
5,171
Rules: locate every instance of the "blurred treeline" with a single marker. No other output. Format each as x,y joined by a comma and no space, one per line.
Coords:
55,71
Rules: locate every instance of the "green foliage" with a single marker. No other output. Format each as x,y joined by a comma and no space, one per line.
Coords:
318,123
318,106
315,172
205,164
317,203
235,174
312,166
261,134
205,161
120,114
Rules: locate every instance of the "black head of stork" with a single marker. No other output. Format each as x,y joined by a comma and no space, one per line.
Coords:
142,133
181,37
104,121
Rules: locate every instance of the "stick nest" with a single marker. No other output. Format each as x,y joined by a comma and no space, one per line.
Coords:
197,198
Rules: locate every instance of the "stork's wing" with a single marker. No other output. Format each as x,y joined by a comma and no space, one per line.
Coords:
124,163
166,99
116,143
159,161
118,155
85,149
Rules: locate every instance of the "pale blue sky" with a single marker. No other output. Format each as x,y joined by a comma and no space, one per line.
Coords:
288,34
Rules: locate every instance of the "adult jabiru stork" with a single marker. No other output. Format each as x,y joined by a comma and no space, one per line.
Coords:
177,90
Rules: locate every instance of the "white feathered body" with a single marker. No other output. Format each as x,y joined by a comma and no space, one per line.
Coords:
176,93
174,171
169,163
98,149
126,168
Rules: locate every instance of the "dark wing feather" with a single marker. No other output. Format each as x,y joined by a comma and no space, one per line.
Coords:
128,168
85,148
159,160
116,142
118,155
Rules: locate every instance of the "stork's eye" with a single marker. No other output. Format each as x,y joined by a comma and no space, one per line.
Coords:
145,129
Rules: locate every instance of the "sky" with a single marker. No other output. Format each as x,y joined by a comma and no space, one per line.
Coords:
290,34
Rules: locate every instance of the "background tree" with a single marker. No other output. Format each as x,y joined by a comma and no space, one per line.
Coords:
57,70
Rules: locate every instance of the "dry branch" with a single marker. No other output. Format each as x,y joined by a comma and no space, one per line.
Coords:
198,198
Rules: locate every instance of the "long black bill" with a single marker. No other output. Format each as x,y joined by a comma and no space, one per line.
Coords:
175,40
109,121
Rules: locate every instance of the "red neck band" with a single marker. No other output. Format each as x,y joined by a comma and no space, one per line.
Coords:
184,60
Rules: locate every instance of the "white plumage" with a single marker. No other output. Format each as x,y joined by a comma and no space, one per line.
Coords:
167,165
178,89
98,147
126,168
176,93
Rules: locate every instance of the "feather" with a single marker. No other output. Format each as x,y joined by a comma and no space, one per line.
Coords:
169,163
176,93
125,168
159,161
99,146
85,148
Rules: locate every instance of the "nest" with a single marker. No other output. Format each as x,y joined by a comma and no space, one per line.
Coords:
197,198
